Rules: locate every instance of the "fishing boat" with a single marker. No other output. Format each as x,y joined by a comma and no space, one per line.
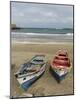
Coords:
29,72
38,59
60,66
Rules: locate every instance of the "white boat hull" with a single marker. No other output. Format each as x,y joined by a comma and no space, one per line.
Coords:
26,81
60,75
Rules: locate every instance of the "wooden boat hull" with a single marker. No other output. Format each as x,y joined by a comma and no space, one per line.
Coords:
30,79
58,77
38,59
60,66
27,84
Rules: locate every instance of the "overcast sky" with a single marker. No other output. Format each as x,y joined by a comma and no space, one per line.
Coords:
41,15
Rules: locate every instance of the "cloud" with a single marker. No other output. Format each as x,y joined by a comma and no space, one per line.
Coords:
21,14
41,15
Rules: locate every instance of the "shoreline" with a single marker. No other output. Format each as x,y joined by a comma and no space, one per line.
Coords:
40,42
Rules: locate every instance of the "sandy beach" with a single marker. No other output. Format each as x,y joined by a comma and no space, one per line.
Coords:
45,85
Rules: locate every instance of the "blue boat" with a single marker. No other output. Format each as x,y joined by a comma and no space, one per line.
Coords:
29,72
38,59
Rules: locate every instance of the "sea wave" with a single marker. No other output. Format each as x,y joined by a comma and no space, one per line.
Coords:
69,33
37,36
42,34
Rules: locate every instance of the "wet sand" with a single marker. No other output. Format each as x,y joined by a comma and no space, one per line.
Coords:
46,85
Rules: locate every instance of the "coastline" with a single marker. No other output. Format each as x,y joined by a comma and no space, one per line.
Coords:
42,42
46,85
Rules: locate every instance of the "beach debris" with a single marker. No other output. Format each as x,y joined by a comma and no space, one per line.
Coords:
60,66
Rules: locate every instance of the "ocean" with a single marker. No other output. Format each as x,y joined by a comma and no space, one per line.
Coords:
42,34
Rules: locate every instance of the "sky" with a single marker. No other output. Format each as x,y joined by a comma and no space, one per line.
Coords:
33,15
